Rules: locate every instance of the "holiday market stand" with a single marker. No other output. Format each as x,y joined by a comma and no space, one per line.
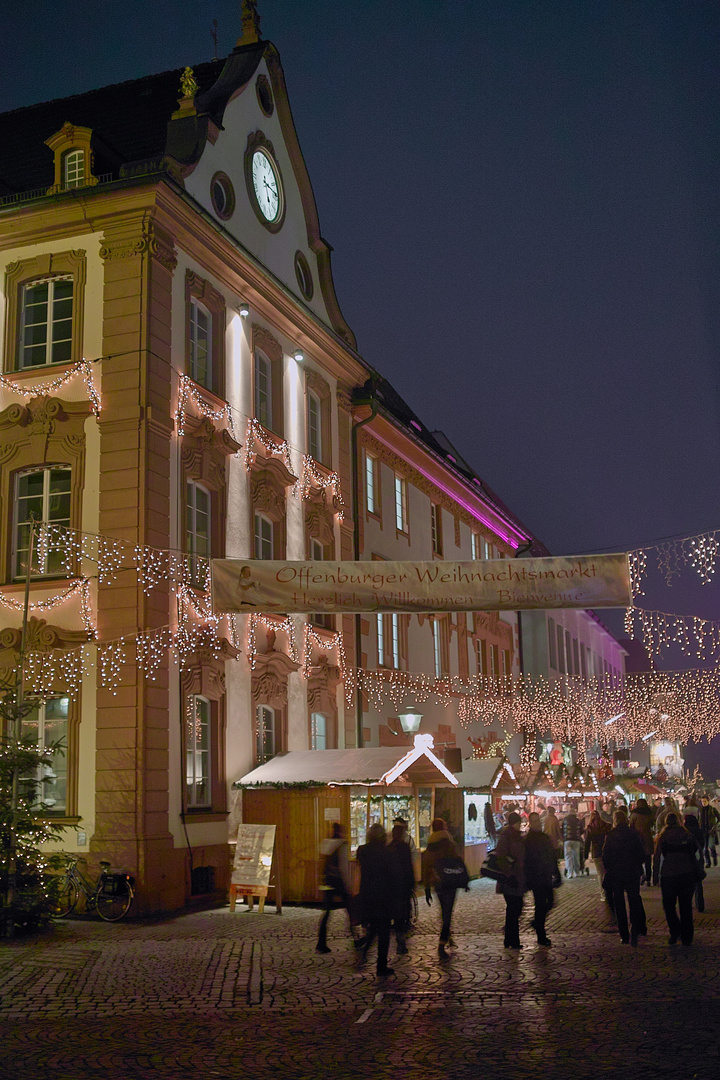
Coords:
304,791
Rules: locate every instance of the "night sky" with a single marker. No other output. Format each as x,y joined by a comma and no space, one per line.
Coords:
523,198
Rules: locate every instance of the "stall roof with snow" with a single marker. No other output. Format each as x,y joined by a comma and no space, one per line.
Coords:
368,766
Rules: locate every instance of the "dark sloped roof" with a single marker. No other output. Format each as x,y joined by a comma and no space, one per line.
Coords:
438,443
129,120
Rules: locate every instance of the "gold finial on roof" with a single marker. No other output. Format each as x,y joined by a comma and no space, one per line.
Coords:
250,23
188,83
188,89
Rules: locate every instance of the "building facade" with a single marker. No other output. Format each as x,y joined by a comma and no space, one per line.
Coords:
179,383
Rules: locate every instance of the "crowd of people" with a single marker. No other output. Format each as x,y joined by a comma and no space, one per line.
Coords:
629,846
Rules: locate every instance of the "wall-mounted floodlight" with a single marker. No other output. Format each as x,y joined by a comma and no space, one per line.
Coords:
244,309
298,356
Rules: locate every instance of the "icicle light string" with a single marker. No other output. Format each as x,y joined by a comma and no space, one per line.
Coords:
189,391
699,552
82,368
658,630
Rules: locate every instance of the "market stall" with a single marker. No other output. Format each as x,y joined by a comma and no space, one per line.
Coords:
304,791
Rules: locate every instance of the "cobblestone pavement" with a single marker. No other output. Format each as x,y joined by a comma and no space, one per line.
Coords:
212,994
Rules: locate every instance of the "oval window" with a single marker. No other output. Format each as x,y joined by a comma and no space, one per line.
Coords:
222,194
264,95
303,275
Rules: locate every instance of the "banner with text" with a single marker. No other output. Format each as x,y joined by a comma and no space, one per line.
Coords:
276,587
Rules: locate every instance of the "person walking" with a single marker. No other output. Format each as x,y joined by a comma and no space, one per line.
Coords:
441,848
552,828
708,819
668,807
595,835
404,873
572,837
693,827
641,820
623,857
335,878
378,895
677,864
541,875
511,846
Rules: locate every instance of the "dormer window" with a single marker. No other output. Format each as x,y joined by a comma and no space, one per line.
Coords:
73,158
73,170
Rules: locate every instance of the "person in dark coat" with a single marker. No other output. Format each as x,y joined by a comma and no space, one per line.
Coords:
440,846
511,846
693,827
708,820
677,864
378,894
595,835
641,820
624,858
541,874
401,856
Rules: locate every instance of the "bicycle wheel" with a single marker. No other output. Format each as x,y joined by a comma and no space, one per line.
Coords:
66,899
112,904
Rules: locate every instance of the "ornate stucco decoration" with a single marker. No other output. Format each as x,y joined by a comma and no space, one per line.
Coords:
205,451
139,238
270,676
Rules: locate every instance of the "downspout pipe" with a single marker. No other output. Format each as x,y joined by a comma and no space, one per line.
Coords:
372,402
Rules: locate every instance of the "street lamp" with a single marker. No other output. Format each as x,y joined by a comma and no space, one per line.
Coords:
410,721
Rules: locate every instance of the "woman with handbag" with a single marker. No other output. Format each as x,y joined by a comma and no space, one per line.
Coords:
677,864
443,868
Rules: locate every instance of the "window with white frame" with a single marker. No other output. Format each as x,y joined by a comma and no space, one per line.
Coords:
314,425
380,623
264,537
200,344
474,546
401,514
41,495
494,661
552,644
436,529
198,527
568,653
318,731
372,492
440,647
561,650
481,656
46,322
265,747
197,752
47,727
317,554
73,172
263,389
395,639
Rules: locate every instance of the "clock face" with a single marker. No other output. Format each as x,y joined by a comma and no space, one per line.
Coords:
266,185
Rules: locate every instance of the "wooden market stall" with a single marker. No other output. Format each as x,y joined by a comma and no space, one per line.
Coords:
304,791
466,805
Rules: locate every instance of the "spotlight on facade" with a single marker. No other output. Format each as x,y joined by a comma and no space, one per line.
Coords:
410,721
298,356
244,309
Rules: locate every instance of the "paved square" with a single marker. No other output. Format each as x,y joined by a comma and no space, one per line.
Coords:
212,994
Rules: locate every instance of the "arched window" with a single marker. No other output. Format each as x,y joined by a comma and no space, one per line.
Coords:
41,495
198,526
73,169
201,357
264,537
263,390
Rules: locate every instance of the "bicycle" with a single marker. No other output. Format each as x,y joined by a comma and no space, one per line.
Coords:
111,895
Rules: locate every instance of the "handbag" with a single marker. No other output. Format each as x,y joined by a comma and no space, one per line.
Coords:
451,873
497,867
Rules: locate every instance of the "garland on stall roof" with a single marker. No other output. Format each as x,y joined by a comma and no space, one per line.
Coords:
30,390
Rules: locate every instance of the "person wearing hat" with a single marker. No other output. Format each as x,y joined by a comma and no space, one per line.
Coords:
511,846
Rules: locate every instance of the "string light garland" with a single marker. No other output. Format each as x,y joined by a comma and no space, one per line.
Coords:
334,641
313,477
189,391
81,587
277,624
82,368
271,444
699,638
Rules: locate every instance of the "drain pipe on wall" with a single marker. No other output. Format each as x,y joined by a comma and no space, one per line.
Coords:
372,402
